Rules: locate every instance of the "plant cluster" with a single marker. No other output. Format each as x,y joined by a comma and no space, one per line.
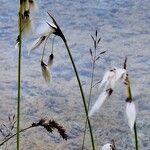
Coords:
106,85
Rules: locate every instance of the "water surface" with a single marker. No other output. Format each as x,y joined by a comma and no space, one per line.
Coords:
124,29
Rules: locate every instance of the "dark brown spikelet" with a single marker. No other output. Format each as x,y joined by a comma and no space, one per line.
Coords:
26,14
31,1
59,128
45,72
50,125
125,63
50,60
110,90
17,40
113,146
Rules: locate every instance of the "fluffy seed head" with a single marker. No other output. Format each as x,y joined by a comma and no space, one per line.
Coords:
45,72
131,114
107,146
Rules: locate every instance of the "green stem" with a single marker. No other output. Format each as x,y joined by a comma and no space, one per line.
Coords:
82,93
90,93
135,128
135,136
19,78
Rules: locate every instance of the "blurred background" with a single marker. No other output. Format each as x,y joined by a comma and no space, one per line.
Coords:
124,26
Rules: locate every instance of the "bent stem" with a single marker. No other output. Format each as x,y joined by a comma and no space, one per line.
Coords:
135,128
10,137
82,93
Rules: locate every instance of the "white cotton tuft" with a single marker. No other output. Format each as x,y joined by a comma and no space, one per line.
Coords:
102,97
43,28
33,5
17,46
45,72
52,24
107,147
119,73
105,79
111,77
37,43
131,114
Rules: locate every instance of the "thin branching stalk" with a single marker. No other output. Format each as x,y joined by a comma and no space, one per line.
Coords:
57,31
82,93
19,77
94,58
90,93
48,125
135,128
10,137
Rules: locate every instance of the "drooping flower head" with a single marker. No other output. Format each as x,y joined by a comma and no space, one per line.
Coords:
109,81
26,7
45,72
130,106
131,114
108,146
52,28
111,77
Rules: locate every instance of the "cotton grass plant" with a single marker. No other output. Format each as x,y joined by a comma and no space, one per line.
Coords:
24,14
55,30
108,83
131,108
26,7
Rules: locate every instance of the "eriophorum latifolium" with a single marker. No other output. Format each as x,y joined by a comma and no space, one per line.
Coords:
107,84
54,29
27,7
23,26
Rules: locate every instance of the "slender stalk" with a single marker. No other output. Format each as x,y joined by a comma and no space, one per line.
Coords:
135,128
10,137
94,57
90,93
19,78
44,48
52,45
82,93
91,84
